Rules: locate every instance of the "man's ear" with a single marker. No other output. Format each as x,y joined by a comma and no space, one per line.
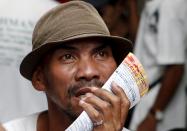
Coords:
38,80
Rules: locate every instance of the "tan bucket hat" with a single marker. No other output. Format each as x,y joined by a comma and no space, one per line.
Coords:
68,22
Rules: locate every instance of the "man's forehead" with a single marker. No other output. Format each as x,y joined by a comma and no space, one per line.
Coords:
84,43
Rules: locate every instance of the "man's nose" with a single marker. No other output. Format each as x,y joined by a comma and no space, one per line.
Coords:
87,70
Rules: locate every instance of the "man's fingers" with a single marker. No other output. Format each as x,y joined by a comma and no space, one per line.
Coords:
106,96
125,103
94,114
99,104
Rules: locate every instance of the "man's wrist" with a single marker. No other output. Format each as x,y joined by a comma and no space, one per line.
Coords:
157,114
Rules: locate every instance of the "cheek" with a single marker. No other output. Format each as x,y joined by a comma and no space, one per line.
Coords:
62,78
58,79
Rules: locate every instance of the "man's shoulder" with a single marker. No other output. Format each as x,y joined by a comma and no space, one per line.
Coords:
27,123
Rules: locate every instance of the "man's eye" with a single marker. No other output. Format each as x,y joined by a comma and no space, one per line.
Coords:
101,54
68,58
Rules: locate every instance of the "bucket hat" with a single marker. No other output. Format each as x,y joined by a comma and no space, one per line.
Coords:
68,22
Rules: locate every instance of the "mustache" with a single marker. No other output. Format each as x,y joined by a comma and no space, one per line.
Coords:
73,88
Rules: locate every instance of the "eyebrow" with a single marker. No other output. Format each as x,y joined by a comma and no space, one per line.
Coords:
67,47
101,47
71,47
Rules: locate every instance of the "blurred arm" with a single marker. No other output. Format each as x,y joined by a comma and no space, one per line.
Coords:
170,82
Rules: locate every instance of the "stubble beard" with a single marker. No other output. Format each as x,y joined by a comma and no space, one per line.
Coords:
71,109
71,93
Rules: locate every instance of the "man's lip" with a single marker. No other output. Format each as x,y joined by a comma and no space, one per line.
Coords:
82,91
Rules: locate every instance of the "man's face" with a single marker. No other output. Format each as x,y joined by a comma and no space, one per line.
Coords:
72,69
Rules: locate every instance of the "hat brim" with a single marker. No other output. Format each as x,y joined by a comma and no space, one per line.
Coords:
120,46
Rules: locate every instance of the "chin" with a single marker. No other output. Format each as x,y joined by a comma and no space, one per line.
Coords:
76,110
75,114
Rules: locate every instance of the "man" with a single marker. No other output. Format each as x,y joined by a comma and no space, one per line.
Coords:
161,47
73,55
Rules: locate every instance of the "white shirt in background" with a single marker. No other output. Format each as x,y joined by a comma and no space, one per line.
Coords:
17,21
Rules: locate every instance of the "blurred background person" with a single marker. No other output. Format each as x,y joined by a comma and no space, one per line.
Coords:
121,16
161,47
17,21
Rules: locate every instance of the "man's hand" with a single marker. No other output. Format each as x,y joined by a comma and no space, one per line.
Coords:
108,110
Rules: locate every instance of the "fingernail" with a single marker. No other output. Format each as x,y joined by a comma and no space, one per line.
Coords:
94,88
81,102
88,94
84,98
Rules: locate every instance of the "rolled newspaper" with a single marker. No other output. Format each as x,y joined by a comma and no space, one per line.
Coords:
129,75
